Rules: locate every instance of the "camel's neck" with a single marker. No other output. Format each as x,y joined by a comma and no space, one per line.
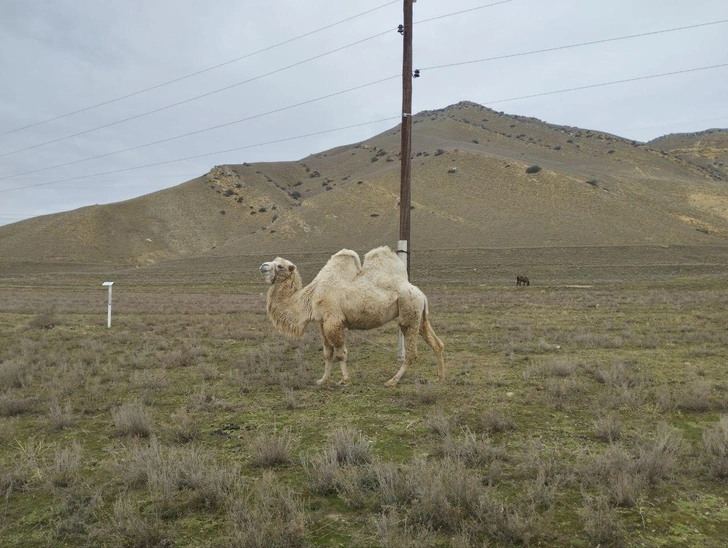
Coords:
289,308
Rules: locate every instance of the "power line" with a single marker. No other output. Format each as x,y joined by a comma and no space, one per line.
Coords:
325,54
685,122
605,84
151,177
226,88
461,12
208,69
196,132
606,40
557,48
359,125
204,155
209,93
591,86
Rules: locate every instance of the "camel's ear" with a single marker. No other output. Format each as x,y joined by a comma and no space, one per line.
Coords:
292,267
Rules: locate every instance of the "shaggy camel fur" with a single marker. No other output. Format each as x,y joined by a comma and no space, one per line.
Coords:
346,294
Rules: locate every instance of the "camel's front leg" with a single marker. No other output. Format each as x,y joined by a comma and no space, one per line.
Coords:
410,349
333,335
328,354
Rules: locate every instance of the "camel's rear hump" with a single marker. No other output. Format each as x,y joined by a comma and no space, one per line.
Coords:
382,262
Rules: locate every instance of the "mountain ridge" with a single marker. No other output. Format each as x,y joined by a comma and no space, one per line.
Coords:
470,189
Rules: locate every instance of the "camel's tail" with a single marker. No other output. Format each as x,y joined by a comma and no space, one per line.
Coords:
433,341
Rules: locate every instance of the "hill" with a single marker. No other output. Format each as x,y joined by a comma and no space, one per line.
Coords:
708,149
471,189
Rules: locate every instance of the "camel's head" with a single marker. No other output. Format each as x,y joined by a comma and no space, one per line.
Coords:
277,270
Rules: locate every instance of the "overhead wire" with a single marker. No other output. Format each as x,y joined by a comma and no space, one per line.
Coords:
237,84
712,119
605,84
532,52
197,132
195,98
197,73
685,71
569,46
345,91
461,12
166,162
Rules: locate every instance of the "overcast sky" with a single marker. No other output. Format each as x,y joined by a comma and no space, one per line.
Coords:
62,56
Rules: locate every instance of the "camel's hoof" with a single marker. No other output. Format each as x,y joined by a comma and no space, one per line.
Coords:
390,383
344,382
322,382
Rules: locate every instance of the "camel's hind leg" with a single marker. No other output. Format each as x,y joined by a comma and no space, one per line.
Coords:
333,335
434,342
410,350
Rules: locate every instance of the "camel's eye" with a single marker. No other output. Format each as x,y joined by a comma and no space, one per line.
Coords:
280,267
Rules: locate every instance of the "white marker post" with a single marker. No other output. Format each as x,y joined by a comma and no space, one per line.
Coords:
108,318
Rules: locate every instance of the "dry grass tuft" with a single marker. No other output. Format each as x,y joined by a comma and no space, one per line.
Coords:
393,530
694,397
715,443
271,516
601,523
354,485
132,419
11,406
495,422
621,374
168,472
661,455
472,449
426,392
44,319
439,423
184,426
607,427
59,417
290,399
214,483
351,447
556,367
394,486
273,449
66,464
615,472
322,472
13,374
127,526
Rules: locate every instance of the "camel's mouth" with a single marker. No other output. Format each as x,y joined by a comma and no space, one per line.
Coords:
268,272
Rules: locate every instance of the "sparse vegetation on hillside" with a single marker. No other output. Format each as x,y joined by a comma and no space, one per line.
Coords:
187,220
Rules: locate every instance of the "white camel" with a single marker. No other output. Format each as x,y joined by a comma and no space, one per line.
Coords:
346,294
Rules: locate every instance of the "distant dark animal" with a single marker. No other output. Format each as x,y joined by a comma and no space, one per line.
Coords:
522,280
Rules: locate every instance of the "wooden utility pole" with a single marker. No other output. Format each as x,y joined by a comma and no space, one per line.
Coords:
405,195
405,156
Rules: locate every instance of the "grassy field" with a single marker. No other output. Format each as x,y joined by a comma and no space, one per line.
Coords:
587,409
